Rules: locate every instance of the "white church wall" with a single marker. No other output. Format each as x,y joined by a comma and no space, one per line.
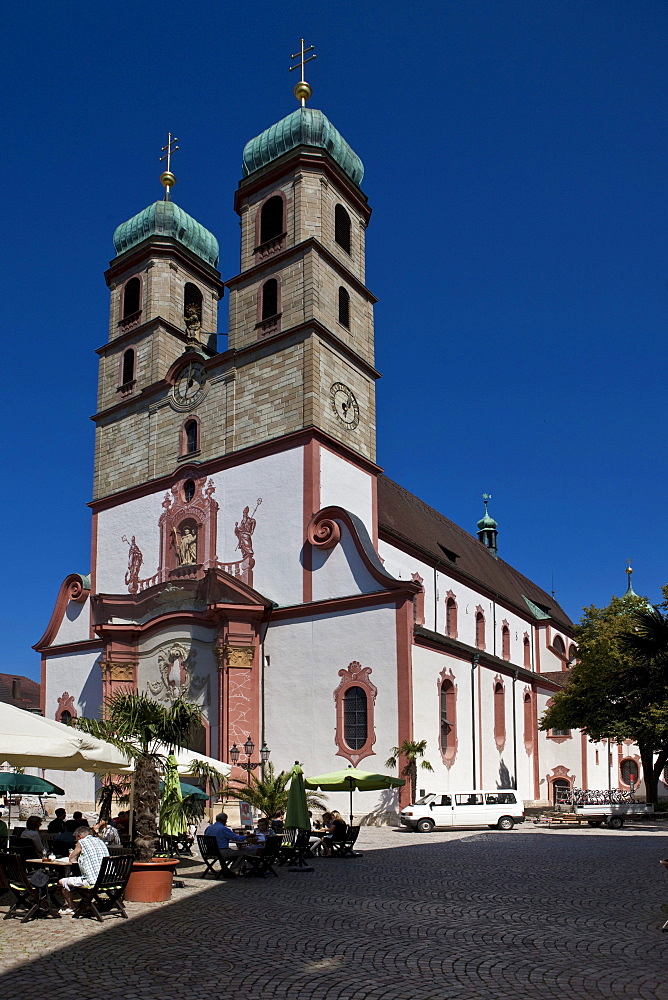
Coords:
277,480
138,517
427,673
305,657
402,566
79,675
340,572
75,626
345,485
557,753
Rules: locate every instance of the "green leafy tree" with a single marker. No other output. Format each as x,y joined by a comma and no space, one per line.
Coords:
268,792
411,752
618,689
141,728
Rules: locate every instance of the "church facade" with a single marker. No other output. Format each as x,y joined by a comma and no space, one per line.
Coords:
247,551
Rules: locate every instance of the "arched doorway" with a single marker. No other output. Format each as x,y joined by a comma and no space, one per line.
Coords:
561,788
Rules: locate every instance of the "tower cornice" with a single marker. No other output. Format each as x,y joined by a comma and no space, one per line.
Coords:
164,247
281,258
309,159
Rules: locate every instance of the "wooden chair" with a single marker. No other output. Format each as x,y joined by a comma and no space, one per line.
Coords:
208,848
33,899
287,845
344,848
107,893
262,864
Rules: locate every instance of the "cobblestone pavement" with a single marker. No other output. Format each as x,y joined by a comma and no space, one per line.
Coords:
526,915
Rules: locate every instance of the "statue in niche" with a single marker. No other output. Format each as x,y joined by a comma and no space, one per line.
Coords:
185,543
244,531
193,318
135,559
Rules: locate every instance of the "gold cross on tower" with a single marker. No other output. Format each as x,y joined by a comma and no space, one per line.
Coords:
303,90
167,178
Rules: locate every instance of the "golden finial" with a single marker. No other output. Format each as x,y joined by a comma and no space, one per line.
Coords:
167,178
629,568
303,90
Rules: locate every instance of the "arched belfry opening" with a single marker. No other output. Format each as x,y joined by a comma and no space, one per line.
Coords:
271,219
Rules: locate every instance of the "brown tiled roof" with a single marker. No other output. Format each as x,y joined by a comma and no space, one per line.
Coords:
408,519
560,677
27,692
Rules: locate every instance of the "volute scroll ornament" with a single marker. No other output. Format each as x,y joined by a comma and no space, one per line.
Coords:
323,532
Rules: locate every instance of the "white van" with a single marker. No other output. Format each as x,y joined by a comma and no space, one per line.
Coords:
501,807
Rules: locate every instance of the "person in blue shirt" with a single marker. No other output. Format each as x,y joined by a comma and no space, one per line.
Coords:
221,831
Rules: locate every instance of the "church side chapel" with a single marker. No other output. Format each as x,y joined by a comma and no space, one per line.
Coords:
248,552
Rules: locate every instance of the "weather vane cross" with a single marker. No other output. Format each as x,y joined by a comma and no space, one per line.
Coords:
303,91
167,178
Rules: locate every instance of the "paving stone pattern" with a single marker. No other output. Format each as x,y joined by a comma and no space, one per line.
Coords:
526,915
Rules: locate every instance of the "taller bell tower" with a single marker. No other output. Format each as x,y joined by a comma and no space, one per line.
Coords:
301,316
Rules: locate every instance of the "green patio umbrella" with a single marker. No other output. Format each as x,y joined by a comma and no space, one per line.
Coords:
25,784
189,790
349,778
296,814
172,822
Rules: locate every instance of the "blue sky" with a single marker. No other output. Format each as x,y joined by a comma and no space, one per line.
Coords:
515,162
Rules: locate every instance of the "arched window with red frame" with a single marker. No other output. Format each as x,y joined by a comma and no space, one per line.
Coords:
528,722
480,629
526,644
499,714
505,641
451,616
448,719
355,699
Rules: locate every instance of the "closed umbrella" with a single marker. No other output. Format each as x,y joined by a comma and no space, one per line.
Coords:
296,814
172,821
350,778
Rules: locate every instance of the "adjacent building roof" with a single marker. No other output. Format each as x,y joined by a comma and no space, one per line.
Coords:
304,127
418,525
164,218
20,691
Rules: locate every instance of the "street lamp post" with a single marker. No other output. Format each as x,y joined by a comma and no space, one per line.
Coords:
248,749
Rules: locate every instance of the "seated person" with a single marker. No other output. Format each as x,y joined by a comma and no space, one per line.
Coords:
31,832
89,852
77,820
335,830
122,823
63,843
57,825
263,830
277,823
106,832
221,831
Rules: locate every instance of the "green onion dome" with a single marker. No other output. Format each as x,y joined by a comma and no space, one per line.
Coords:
164,218
304,127
486,522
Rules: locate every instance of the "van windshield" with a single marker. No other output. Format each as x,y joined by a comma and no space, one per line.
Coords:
424,799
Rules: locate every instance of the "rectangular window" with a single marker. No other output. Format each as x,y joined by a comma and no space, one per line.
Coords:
560,732
469,799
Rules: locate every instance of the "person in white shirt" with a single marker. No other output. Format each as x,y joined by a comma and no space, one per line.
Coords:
89,851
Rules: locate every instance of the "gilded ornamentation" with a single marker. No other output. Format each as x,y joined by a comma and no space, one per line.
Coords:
239,656
118,671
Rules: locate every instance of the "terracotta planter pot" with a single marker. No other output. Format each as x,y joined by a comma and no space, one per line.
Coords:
151,881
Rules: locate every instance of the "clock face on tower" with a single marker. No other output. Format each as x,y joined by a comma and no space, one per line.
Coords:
190,384
345,405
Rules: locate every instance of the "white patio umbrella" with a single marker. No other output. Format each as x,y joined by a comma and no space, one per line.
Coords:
29,740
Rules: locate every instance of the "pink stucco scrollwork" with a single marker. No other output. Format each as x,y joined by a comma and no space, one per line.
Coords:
323,532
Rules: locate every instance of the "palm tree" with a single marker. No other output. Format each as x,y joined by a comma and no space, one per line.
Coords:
141,728
410,751
648,636
268,793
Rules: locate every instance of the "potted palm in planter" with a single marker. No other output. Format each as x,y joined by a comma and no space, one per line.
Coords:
142,728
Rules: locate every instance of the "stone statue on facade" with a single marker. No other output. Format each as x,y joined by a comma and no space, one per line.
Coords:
244,531
186,546
135,559
193,320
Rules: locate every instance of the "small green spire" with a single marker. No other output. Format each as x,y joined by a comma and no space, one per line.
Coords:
630,592
487,528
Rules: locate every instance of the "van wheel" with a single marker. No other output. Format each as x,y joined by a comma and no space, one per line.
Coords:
505,823
425,826
615,822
